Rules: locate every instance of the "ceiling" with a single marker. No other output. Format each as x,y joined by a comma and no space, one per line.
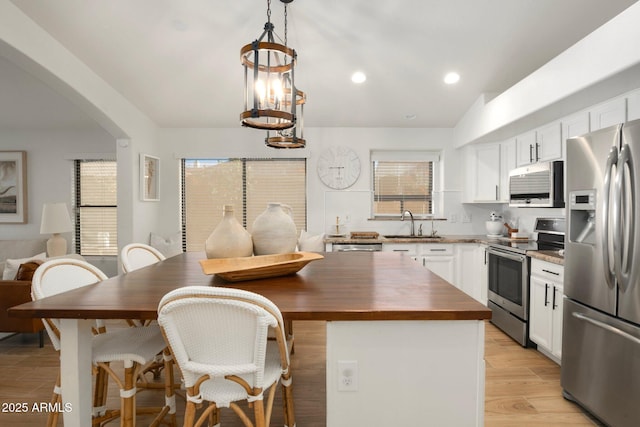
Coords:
178,61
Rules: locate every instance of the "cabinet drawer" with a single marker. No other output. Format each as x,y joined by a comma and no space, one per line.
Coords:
407,248
437,249
547,270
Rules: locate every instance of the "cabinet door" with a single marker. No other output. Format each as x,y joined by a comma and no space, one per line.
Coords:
443,266
548,143
525,146
633,105
575,125
483,274
507,163
468,274
540,312
556,320
486,176
608,114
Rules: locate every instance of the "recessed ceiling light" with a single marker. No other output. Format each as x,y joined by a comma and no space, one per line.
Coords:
410,116
451,78
358,77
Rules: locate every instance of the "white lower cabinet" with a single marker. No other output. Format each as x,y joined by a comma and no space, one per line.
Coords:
439,259
469,260
545,313
461,264
410,249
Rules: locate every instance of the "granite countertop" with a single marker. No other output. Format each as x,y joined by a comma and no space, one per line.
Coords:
423,239
549,256
545,255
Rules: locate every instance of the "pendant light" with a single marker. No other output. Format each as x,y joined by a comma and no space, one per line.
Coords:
269,86
289,138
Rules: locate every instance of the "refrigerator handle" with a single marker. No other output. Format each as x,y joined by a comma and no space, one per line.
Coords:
607,327
612,159
625,271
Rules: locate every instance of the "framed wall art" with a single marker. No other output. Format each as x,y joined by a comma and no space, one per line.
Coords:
149,178
13,187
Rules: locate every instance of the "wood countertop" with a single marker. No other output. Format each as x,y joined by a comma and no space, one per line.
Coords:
342,286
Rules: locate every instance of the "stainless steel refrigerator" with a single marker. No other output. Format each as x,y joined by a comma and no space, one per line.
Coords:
601,319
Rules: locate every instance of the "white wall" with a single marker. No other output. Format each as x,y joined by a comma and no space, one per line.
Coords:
50,169
322,203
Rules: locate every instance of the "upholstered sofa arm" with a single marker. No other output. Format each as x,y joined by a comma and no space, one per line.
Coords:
12,293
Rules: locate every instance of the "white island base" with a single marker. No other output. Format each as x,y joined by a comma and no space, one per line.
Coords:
409,373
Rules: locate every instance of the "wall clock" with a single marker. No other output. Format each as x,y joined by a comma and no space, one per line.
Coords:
339,167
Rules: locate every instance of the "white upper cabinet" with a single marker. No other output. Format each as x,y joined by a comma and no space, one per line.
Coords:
549,140
608,113
575,125
540,145
486,177
633,105
525,148
507,163
487,170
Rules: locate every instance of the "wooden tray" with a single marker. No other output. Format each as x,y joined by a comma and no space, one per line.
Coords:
364,235
258,267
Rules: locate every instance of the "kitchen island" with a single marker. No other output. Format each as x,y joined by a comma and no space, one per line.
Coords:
417,341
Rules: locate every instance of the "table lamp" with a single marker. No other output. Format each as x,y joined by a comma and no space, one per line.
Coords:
55,220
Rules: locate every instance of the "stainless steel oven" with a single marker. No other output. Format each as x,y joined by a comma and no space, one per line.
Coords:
508,280
508,277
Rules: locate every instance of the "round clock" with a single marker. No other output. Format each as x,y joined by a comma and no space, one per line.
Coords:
339,167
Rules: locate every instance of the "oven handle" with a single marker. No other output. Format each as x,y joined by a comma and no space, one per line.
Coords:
514,257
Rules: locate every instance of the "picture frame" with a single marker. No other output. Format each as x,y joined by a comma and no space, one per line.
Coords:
149,178
13,187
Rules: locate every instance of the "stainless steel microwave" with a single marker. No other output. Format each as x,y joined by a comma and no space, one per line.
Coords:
537,185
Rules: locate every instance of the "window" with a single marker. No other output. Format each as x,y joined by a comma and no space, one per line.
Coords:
247,184
96,207
403,181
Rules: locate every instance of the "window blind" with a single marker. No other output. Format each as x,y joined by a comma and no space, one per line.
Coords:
247,184
402,185
96,209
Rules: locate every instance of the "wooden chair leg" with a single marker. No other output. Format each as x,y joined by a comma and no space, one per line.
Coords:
100,392
258,410
287,391
189,413
128,396
170,397
52,418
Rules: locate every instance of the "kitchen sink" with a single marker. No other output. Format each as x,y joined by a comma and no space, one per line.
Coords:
406,236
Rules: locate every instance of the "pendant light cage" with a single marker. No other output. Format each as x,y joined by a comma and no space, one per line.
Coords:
269,85
290,138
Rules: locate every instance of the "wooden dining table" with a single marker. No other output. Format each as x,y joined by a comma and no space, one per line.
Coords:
416,340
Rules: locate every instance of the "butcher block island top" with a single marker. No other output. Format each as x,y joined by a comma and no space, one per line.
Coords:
417,341
342,286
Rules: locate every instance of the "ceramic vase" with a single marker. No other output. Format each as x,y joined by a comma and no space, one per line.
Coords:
229,239
274,231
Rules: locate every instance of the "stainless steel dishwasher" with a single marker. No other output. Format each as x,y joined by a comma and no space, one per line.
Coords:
357,247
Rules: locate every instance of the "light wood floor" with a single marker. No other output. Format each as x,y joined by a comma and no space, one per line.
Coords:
522,385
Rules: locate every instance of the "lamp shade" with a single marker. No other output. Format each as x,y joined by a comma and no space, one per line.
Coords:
55,219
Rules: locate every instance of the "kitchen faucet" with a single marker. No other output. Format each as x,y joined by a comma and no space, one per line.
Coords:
413,229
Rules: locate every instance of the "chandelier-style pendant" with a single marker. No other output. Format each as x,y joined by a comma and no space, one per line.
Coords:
288,138
269,88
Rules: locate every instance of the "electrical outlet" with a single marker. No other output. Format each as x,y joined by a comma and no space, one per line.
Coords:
453,218
466,217
347,375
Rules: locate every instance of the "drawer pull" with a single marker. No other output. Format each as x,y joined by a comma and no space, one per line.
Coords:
551,272
437,250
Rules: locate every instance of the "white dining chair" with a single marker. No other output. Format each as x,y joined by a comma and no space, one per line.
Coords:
219,338
137,255
134,347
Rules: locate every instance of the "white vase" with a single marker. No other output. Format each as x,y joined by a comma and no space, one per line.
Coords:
274,231
229,239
